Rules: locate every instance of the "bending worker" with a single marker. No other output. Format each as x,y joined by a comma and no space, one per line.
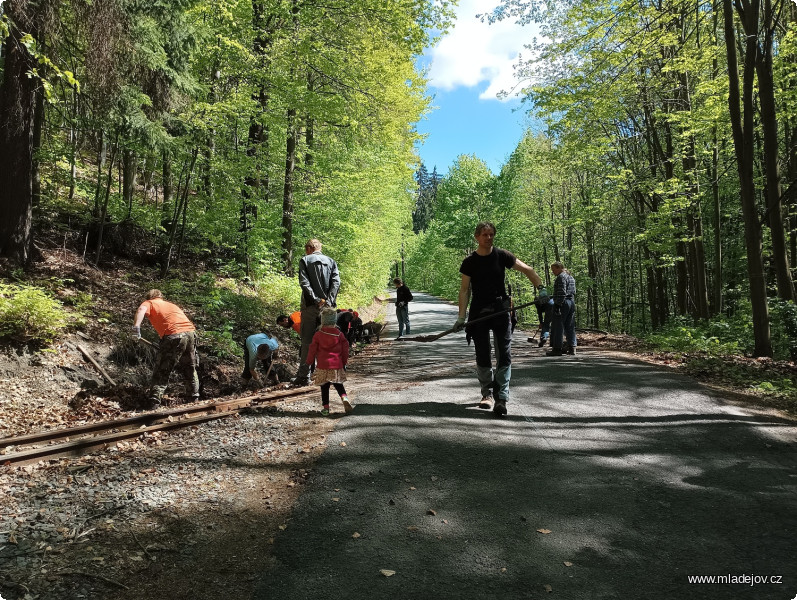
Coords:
178,344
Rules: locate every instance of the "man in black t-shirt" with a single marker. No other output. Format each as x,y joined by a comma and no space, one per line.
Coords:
483,276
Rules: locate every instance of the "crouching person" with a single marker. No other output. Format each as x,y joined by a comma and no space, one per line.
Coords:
258,347
177,345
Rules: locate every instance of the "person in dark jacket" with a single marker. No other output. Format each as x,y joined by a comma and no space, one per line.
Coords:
563,324
320,281
403,298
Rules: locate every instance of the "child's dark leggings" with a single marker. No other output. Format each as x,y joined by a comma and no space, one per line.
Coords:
325,391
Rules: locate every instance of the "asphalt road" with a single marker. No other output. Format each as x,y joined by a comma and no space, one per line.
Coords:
608,479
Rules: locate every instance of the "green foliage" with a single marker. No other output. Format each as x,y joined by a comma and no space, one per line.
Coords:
28,313
229,310
714,338
783,325
221,343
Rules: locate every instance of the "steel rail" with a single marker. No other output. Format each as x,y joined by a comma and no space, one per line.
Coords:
104,433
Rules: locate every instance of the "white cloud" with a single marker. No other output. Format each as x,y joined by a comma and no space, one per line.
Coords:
474,51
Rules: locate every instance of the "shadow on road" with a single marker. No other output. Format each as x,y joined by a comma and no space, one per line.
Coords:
606,481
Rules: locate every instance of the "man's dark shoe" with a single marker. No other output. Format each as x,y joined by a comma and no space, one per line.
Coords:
500,408
571,350
541,343
554,352
300,382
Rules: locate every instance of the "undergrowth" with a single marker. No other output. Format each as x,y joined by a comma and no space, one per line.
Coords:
30,314
717,349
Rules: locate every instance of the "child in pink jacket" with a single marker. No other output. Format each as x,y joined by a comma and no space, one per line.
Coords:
330,350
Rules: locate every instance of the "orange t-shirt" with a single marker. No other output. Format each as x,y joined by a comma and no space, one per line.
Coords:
297,321
167,318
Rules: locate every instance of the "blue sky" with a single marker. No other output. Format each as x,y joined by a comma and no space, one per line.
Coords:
467,68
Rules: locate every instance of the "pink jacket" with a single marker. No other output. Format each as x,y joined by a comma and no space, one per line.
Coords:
329,349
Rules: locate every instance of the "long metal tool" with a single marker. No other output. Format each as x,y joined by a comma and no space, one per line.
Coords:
437,336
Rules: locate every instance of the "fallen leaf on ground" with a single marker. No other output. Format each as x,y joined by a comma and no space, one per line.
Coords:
355,535
544,531
387,572
548,588
343,444
568,563
431,512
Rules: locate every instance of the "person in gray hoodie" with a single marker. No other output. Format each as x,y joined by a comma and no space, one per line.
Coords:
320,281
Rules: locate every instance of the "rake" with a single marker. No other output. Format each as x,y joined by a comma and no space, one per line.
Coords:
437,336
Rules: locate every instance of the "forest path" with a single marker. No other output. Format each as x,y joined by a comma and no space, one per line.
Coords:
609,478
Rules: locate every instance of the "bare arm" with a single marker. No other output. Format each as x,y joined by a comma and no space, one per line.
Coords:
140,314
464,295
528,272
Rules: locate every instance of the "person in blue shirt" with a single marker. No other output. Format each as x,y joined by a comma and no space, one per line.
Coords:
258,347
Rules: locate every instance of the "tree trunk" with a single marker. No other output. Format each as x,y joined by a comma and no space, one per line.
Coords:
741,106
38,127
769,125
102,154
717,223
17,113
593,299
180,209
104,210
287,195
128,179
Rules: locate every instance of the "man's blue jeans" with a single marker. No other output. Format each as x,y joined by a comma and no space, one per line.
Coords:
403,318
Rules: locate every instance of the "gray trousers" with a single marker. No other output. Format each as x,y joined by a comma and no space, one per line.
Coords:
311,319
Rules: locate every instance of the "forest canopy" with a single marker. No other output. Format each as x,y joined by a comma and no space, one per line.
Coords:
230,131
664,175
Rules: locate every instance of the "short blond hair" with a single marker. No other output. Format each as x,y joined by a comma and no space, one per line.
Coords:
153,293
313,244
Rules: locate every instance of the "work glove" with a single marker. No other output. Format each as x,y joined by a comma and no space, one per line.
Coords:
542,292
399,304
136,332
460,324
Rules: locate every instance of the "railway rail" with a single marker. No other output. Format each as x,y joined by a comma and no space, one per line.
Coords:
76,441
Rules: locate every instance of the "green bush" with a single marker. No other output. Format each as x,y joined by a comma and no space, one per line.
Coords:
221,344
718,337
783,327
29,314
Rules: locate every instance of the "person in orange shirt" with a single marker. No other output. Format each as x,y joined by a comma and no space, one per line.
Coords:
295,321
178,344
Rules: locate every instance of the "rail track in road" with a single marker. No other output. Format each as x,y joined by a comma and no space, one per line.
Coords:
76,441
